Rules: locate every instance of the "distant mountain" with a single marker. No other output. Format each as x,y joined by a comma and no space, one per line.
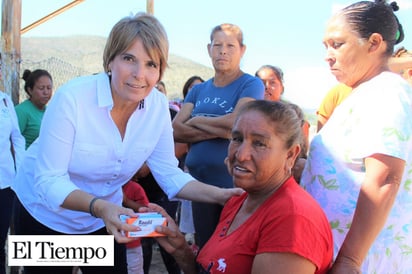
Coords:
68,57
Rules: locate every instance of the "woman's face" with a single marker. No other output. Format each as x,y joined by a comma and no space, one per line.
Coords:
258,159
41,92
347,55
134,74
273,85
225,51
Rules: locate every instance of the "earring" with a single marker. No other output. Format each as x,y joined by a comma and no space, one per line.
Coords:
109,73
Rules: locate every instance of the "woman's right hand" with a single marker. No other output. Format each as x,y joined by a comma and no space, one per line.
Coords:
174,241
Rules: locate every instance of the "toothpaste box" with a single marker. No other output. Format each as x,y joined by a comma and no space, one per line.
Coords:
146,222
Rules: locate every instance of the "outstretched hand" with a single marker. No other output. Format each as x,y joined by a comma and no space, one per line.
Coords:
227,193
174,241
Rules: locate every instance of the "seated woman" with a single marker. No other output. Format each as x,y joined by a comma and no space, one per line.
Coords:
274,226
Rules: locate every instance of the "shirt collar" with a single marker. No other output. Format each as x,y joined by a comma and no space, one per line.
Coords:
104,95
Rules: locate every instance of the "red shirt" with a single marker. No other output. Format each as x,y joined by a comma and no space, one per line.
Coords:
288,221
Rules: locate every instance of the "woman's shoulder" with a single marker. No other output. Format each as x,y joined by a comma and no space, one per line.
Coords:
294,199
387,86
386,79
25,106
4,95
85,86
85,81
252,85
248,78
233,204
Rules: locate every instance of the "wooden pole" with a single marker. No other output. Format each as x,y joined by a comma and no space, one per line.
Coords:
150,6
11,52
51,15
10,45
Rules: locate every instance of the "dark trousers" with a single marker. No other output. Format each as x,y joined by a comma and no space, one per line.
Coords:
6,204
147,243
25,224
205,219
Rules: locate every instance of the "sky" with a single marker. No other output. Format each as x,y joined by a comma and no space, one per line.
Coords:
287,33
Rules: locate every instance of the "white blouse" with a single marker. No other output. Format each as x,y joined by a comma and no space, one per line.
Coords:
9,133
80,147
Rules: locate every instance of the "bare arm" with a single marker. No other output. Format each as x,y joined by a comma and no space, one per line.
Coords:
376,197
200,192
321,122
282,263
398,64
200,128
175,243
222,125
181,149
107,211
185,133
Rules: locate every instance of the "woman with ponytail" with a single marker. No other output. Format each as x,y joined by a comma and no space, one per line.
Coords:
359,167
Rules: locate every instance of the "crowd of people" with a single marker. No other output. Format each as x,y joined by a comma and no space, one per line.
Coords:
233,164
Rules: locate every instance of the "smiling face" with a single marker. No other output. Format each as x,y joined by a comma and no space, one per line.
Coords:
258,158
348,55
133,74
41,92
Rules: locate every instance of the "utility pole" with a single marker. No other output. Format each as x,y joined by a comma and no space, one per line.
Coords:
150,6
11,51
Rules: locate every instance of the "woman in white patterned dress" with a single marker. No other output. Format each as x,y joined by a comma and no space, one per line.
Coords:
359,165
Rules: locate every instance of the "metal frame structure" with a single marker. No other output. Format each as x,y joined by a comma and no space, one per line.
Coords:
11,40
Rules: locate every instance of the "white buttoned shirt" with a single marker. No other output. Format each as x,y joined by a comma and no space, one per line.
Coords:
9,134
80,147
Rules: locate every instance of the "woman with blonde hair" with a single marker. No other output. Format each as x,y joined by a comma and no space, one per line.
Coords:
97,132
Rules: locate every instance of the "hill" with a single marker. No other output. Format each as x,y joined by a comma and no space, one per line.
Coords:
69,57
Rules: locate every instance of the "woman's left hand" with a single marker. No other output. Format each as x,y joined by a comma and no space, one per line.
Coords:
110,213
174,239
227,193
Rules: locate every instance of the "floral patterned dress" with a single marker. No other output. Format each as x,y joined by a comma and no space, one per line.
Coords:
375,118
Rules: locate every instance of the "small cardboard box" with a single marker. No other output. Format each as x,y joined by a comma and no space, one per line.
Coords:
146,222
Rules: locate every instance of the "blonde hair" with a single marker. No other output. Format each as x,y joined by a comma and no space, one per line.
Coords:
142,26
228,27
